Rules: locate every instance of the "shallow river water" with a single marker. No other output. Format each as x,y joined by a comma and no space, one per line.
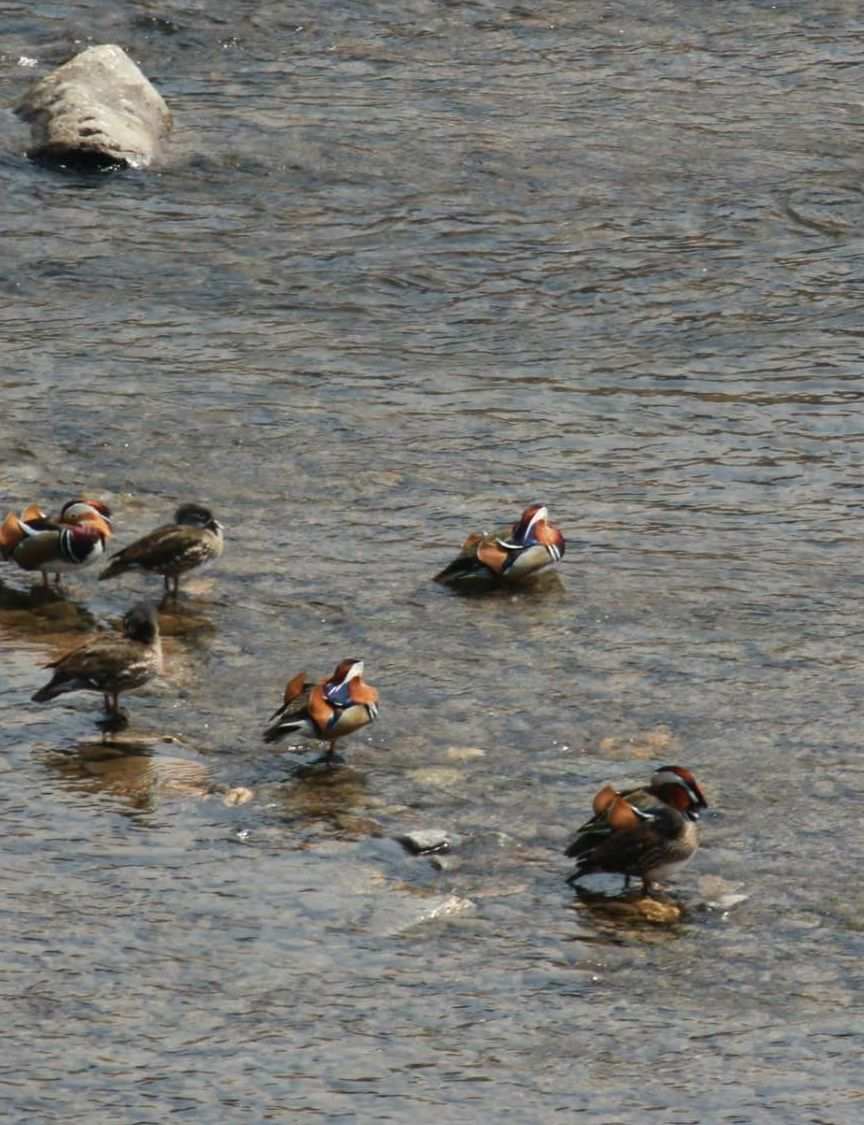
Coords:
407,268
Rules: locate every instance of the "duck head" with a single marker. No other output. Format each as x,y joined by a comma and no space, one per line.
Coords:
196,515
141,624
338,688
85,511
676,786
535,530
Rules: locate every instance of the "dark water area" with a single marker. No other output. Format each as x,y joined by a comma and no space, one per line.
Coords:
407,268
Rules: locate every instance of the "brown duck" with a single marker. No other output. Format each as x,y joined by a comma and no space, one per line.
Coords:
193,540
110,663
652,843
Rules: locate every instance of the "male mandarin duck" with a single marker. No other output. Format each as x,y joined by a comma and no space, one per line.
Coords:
670,785
74,539
193,540
328,710
651,839
110,663
507,556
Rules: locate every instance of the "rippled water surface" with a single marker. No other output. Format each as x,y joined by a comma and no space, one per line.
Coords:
407,268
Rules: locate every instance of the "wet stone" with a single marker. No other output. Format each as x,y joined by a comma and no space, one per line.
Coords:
96,109
425,841
442,862
238,795
663,912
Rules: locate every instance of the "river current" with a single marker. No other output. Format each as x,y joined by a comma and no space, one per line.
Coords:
405,269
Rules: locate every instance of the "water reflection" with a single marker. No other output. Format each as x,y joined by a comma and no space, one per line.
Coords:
407,264
136,770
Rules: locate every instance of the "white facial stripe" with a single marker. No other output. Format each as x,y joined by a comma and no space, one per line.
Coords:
353,673
540,514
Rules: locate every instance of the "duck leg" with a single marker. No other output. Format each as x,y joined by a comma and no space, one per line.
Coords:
329,758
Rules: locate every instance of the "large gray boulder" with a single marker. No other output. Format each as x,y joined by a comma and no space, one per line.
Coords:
96,108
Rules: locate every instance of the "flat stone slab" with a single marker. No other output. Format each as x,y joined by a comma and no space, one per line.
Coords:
98,108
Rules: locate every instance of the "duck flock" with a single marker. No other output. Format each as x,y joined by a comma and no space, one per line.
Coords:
645,833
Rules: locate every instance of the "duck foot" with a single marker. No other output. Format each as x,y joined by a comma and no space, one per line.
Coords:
329,759
113,721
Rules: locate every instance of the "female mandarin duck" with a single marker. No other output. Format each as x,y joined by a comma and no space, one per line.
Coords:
109,663
327,710
74,539
651,839
194,539
507,556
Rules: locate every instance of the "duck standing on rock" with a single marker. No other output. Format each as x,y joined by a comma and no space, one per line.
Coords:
328,710
63,544
649,840
109,663
508,556
674,786
193,540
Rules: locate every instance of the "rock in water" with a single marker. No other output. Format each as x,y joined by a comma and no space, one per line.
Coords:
97,108
423,841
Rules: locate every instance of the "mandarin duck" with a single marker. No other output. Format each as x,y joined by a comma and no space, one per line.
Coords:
109,663
507,556
651,843
74,539
193,540
670,785
328,710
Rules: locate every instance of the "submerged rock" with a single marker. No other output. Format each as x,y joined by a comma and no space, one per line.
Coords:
720,894
401,913
96,109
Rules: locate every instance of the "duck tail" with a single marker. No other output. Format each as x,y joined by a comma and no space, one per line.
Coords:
50,691
116,566
463,569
